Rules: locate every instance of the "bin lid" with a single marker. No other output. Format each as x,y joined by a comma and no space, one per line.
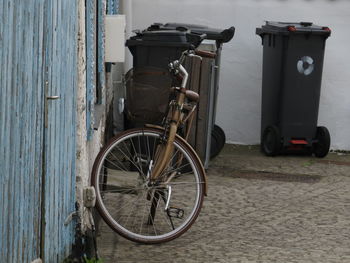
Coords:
177,26
286,28
173,38
221,35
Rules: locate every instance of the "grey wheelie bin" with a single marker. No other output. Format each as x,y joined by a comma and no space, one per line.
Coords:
292,73
152,50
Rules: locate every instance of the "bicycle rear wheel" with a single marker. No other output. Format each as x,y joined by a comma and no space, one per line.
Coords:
131,203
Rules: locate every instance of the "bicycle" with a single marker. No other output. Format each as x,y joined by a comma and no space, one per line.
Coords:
149,182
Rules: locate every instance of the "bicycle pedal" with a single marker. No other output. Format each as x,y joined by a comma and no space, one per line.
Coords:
176,212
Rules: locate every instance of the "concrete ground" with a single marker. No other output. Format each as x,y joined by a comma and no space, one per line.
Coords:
258,209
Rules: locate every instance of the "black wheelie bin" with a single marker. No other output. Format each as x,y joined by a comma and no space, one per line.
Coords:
291,83
152,50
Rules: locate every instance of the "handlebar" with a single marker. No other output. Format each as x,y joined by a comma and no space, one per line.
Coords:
177,68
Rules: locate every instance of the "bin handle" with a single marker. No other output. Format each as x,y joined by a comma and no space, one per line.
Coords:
306,24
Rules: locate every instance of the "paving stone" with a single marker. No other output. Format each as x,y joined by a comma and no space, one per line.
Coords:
258,209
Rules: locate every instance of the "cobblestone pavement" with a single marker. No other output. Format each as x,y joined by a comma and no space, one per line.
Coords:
258,209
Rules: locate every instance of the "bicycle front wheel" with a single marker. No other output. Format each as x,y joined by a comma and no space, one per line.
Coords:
141,209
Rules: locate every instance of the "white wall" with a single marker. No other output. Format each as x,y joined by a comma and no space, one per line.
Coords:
240,87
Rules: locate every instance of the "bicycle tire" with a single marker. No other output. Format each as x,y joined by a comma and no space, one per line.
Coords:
126,183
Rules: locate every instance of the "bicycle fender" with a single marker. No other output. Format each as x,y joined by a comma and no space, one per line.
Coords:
160,128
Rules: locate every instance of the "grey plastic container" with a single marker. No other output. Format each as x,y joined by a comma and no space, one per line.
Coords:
292,73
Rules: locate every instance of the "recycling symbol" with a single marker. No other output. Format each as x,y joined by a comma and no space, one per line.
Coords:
305,65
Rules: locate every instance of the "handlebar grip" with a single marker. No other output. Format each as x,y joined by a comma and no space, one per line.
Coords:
205,54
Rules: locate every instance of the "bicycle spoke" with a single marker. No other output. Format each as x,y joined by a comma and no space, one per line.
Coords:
148,150
163,174
124,205
130,161
183,183
167,218
131,212
112,163
140,165
153,223
154,147
126,173
127,190
131,203
176,170
143,218
133,146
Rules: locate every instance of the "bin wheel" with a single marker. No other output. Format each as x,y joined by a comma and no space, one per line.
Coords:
271,141
218,139
323,142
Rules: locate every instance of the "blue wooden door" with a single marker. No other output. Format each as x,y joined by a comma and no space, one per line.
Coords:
21,129
37,132
60,128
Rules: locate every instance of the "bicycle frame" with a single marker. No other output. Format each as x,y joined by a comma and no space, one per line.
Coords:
165,151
